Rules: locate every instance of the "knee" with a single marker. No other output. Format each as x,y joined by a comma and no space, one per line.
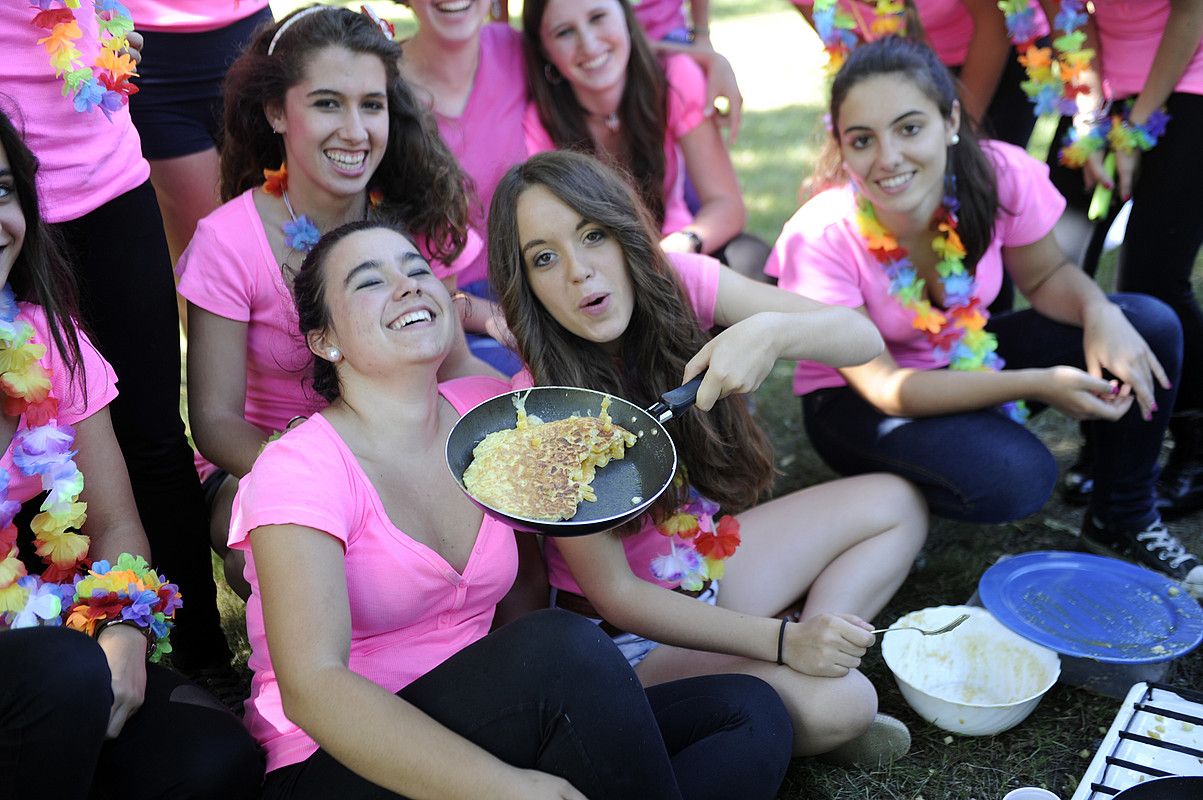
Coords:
62,673
906,507
567,646
856,698
1016,482
223,740
755,708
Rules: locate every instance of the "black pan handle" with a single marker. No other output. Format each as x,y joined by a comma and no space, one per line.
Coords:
679,399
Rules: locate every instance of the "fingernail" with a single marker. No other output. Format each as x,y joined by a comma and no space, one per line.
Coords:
1153,407
1115,388
1147,416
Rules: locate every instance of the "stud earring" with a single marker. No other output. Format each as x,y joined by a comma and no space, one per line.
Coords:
954,140
334,354
552,74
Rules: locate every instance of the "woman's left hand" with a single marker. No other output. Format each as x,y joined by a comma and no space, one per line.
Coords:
1111,343
124,648
736,361
1125,172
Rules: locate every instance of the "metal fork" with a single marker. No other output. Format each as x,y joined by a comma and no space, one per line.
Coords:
936,632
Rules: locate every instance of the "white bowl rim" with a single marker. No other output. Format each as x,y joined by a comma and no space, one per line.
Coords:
979,611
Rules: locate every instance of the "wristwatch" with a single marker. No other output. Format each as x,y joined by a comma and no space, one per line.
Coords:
695,241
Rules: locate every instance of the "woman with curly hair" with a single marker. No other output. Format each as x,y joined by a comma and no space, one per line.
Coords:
320,130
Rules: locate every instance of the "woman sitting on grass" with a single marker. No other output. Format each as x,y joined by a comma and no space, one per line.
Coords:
594,302
597,87
77,710
397,686
918,224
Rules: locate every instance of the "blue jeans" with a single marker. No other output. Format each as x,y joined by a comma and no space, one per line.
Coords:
979,466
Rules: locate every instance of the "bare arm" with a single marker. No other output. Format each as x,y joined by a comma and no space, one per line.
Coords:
722,214
986,58
373,732
217,392
720,81
764,324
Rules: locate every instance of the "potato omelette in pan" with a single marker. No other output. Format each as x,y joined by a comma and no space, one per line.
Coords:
638,455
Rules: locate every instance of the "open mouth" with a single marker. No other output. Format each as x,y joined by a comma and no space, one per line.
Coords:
596,303
895,182
595,63
411,318
350,161
454,7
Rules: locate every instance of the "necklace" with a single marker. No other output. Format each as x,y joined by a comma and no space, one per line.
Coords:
44,449
959,332
105,84
300,233
1053,82
699,548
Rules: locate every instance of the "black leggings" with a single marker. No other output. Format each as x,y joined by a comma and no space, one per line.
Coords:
55,697
128,304
551,692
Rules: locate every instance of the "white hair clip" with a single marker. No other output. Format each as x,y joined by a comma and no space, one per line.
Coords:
271,47
383,24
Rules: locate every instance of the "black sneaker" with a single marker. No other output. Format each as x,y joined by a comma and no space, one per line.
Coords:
1153,547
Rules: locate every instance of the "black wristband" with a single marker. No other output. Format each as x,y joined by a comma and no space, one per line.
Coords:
145,631
781,642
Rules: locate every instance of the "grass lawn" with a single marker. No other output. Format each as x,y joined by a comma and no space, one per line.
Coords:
778,62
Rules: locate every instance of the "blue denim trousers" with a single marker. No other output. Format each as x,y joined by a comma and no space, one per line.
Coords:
979,466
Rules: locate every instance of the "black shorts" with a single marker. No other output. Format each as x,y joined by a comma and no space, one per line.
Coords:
178,107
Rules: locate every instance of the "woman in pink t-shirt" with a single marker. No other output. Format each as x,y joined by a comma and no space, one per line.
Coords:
597,87
593,302
94,696
401,687
915,232
320,130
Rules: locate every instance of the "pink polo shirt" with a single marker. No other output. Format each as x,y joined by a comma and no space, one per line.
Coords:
1130,31
229,270
686,110
487,137
700,275
659,18
92,388
822,255
190,16
427,612
85,158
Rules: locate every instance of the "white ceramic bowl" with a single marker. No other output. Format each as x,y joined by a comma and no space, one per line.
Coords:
978,680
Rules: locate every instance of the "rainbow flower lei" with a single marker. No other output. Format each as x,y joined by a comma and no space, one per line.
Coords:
699,548
838,29
44,449
959,332
1053,82
1116,131
105,84
300,233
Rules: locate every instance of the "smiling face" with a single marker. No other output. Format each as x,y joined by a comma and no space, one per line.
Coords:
335,122
383,302
894,142
12,219
575,268
587,41
450,21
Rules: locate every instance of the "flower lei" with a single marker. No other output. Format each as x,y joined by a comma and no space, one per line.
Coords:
1053,82
300,233
837,28
44,448
699,547
105,84
127,591
960,332
1116,130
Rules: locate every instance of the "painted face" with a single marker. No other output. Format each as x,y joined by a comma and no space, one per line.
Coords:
895,145
335,122
384,303
576,269
588,42
451,21
12,219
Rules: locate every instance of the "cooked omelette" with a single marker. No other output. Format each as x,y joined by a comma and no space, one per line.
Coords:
542,470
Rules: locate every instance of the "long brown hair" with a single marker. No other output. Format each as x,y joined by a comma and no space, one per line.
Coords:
726,455
421,183
643,110
977,187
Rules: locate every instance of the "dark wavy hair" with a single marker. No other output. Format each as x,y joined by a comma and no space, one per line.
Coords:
41,274
309,294
422,184
977,187
726,455
643,109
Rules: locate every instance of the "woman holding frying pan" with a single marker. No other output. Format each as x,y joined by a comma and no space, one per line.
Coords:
374,583
593,302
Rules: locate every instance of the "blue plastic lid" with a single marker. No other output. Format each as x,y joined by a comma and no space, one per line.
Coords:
1093,607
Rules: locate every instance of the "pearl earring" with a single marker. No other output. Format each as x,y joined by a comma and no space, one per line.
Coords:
334,354
954,140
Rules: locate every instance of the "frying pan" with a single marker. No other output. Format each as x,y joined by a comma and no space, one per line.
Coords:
1188,787
625,488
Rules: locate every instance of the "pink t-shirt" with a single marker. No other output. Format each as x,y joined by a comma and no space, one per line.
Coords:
190,16
1130,31
659,18
309,477
229,270
93,387
85,159
821,254
700,276
686,110
487,137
